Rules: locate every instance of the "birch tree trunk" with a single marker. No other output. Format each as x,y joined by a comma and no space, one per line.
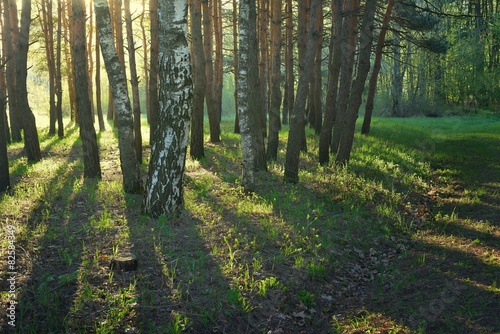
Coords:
118,85
252,139
164,187
91,162
134,80
31,143
298,116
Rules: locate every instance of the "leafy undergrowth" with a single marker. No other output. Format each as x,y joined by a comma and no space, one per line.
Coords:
405,240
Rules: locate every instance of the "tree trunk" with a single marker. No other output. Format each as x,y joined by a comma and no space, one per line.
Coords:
325,138
59,113
315,109
198,60
134,80
10,36
68,42
397,79
116,78
298,116
263,46
145,58
372,85
4,160
252,140
164,188
348,43
208,32
47,25
304,8
31,143
92,167
91,58
358,85
290,79
154,104
218,65
98,96
235,66
274,115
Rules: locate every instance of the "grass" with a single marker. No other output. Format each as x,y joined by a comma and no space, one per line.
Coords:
403,240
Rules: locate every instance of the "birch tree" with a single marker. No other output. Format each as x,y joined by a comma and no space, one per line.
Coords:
118,85
164,187
252,139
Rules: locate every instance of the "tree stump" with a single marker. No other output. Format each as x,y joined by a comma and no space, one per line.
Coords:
124,262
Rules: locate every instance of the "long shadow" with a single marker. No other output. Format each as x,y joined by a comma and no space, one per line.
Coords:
47,260
422,286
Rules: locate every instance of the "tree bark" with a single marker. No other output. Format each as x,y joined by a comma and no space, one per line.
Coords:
290,79
134,80
98,95
145,58
68,42
197,150
235,66
325,138
358,85
372,85
298,116
348,41
252,139
4,160
118,85
59,113
11,32
274,114
31,143
164,188
263,46
154,104
92,168
208,36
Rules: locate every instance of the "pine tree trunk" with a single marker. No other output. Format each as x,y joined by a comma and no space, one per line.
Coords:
153,69
134,80
92,168
59,113
118,85
10,42
4,161
164,188
90,58
252,140
235,66
290,79
145,58
47,25
263,45
68,42
358,85
274,115
199,91
31,143
218,65
372,85
325,138
298,116
348,43
208,32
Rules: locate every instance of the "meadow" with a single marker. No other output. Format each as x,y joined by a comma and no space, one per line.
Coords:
405,239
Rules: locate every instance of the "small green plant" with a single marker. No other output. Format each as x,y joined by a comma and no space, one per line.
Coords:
306,298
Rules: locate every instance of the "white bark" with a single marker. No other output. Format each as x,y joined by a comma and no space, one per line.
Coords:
164,188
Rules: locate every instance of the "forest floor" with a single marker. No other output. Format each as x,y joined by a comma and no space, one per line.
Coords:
406,239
